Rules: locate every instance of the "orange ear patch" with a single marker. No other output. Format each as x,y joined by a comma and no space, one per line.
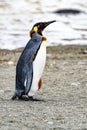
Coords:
40,84
44,38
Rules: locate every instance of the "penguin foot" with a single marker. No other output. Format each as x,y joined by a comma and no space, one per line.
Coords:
14,97
24,98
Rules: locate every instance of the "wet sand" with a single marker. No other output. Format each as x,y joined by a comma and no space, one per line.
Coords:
63,94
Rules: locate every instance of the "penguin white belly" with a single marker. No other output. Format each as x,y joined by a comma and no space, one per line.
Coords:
38,66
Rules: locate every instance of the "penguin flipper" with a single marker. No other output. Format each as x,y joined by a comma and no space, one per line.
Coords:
26,78
29,77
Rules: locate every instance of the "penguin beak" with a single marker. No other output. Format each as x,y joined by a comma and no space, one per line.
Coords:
45,24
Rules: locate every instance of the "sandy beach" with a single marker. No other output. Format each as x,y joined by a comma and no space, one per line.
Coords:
63,94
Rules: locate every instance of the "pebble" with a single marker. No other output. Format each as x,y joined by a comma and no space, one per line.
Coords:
75,84
10,62
1,91
82,63
50,122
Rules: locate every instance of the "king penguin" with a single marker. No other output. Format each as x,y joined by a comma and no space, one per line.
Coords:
31,64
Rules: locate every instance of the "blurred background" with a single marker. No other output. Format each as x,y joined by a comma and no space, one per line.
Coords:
18,16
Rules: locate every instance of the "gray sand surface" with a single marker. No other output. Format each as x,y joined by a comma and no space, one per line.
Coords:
63,94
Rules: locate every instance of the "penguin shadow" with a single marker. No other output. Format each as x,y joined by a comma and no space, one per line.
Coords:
34,100
30,99
37,100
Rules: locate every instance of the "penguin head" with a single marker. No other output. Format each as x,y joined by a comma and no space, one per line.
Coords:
39,27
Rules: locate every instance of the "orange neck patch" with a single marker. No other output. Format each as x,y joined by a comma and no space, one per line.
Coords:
44,38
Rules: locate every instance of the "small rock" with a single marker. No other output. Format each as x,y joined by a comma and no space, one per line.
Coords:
50,122
1,91
10,62
81,63
68,11
75,84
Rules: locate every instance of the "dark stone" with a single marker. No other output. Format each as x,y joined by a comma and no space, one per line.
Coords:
68,11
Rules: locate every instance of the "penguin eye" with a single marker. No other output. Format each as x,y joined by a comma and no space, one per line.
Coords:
38,26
